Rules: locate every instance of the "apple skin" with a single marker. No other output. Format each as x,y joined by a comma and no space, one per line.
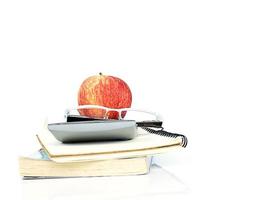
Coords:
108,91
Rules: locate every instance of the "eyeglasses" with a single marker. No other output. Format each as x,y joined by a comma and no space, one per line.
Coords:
144,119
101,112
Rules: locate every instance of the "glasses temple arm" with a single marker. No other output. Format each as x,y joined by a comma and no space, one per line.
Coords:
157,115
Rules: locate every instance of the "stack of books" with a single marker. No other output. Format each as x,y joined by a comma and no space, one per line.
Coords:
106,158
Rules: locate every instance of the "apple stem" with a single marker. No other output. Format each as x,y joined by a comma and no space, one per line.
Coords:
100,74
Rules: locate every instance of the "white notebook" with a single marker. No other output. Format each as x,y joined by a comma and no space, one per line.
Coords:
144,144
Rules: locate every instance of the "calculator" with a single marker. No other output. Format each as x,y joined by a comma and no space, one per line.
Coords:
93,130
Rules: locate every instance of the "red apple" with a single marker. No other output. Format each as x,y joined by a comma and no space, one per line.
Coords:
108,91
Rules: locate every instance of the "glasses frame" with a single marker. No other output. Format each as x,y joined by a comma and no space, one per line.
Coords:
119,110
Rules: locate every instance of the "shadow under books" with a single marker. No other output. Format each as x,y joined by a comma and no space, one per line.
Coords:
158,183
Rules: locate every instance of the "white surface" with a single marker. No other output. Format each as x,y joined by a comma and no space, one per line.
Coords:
218,60
156,184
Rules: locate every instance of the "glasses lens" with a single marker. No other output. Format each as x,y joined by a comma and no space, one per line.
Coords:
97,113
123,114
137,116
112,115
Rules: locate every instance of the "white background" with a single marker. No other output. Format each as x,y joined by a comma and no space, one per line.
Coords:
210,67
